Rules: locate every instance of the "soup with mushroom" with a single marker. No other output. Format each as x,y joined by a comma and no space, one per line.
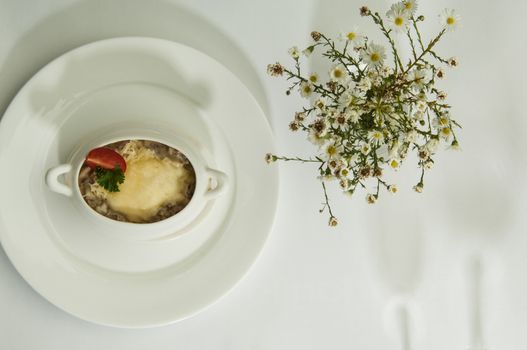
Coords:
137,181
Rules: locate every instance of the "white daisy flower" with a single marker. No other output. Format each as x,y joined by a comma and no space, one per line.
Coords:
449,19
393,189
333,221
354,116
454,146
320,104
432,145
445,133
313,78
275,70
352,36
332,151
344,172
308,51
306,89
294,52
270,158
365,149
423,153
333,164
341,121
441,122
344,184
419,187
394,163
347,99
300,116
453,62
376,136
410,6
371,198
428,164
315,138
338,73
294,126
374,55
320,126
398,17
364,84
419,78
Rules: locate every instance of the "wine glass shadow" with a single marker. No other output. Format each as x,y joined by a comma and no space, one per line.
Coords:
88,21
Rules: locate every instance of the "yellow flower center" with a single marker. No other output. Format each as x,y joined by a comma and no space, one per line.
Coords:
337,73
375,57
344,172
394,163
377,135
351,36
332,150
408,5
307,89
399,21
450,20
313,78
445,131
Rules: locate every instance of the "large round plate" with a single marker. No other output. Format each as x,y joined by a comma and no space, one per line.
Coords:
133,283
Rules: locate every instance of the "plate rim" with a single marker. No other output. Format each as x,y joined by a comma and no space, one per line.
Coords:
9,118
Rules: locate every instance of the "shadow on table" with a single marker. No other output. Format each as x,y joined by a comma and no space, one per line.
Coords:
93,20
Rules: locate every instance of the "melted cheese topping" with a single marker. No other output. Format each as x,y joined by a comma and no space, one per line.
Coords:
149,184
134,150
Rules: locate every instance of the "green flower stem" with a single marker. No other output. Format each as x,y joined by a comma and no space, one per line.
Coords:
420,40
326,202
378,20
427,50
381,182
298,159
437,57
340,56
411,43
318,87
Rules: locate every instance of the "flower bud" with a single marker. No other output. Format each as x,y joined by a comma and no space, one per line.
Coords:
316,35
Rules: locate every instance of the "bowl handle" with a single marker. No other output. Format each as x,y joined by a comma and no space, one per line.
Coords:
52,180
222,183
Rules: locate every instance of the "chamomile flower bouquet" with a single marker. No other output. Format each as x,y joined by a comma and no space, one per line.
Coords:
373,107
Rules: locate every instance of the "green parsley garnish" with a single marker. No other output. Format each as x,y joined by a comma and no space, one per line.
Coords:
110,179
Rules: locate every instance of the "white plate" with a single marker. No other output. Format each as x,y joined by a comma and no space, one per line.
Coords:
105,279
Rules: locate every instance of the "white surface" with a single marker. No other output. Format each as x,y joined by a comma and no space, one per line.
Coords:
124,274
315,288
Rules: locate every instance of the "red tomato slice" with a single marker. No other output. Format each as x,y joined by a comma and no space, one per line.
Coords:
105,158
